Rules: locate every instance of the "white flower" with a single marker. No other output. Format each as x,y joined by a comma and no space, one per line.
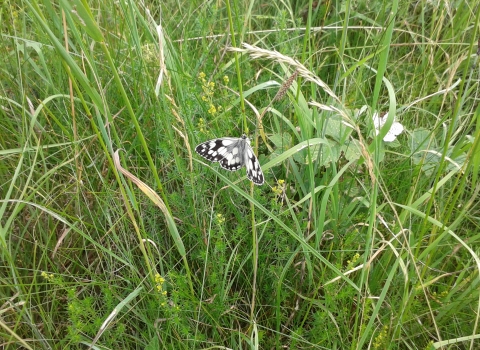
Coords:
395,130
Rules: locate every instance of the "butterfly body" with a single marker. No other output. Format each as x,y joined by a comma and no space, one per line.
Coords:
232,154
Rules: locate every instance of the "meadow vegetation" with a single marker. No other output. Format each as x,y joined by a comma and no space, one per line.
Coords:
114,234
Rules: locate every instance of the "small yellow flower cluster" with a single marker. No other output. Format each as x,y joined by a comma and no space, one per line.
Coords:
208,92
159,281
48,277
219,218
207,87
212,109
351,263
381,339
278,190
439,296
201,126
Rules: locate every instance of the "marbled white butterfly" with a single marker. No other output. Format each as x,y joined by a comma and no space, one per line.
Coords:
233,153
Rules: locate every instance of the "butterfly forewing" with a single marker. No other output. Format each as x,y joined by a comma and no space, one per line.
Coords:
232,154
214,150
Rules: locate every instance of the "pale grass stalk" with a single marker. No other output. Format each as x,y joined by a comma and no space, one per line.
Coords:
161,54
185,140
440,92
183,135
346,122
256,53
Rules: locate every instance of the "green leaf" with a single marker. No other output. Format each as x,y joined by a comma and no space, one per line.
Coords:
281,141
352,151
81,14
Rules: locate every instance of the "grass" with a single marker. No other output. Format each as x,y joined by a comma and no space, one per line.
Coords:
115,234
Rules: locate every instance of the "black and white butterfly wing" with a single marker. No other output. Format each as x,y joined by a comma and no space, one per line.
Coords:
233,159
254,171
232,154
224,150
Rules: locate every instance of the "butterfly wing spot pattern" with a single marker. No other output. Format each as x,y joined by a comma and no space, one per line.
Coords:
232,154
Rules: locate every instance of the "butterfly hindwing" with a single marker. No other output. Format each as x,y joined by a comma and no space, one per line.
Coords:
231,162
254,171
232,154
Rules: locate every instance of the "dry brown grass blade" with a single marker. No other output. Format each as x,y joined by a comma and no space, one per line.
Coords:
154,197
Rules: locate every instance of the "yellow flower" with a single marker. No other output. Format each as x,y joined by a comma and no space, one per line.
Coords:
202,75
380,341
225,79
201,125
159,278
351,263
212,110
277,190
159,281
220,218
48,277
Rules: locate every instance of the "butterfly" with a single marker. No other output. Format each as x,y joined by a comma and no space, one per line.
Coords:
233,153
